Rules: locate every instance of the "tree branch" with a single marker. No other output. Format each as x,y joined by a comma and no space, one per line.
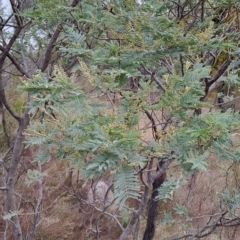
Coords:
154,77
15,11
48,53
219,73
162,169
37,211
5,103
157,81
51,45
15,62
9,45
199,234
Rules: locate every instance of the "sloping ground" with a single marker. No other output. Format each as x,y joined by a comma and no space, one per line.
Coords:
201,197
67,218
63,217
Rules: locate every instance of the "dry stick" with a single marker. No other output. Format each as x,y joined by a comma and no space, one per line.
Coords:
24,60
103,212
213,226
182,64
202,12
5,231
227,224
37,216
203,229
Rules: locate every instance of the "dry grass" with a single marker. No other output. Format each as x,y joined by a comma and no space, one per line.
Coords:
61,215
201,197
61,218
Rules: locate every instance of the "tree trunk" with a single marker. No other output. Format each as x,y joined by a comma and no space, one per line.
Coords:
12,177
153,209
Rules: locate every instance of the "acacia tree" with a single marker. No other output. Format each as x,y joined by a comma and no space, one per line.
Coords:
106,66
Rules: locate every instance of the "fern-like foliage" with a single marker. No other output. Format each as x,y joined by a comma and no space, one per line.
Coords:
203,135
82,129
166,191
126,185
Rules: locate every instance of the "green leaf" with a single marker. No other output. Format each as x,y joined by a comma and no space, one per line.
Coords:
126,186
168,219
167,189
181,210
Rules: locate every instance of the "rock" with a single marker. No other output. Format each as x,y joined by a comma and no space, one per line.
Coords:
100,193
